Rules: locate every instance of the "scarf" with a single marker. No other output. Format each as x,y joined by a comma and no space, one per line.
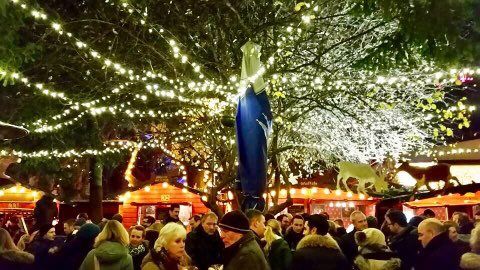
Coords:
135,251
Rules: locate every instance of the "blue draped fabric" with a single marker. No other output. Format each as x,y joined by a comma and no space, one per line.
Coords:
253,123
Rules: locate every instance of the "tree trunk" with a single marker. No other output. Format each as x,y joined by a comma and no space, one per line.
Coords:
96,191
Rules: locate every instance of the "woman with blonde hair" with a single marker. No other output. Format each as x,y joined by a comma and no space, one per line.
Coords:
10,256
278,252
110,249
169,250
471,260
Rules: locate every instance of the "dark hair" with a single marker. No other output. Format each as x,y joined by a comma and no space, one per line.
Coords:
326,215
80,221
173,206
372,222
70,222
398,217
151,236
319,222
305,215
415,221
253,214
297,217
269,216
339,219
429,213
150,219
281,216
118,218
196,218
83,215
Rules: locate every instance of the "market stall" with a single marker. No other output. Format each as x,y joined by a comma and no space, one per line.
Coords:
337,203
154,200
445,206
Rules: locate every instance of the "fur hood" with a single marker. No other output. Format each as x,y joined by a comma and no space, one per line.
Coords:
318,241
470,261
16,256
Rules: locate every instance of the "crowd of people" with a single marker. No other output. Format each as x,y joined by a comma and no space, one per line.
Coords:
252,241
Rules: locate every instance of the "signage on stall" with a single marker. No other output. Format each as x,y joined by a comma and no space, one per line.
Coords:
164,197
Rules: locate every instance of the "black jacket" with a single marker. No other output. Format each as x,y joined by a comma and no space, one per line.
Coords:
293,238
72,254
349,246
439,254
319,252
39,248
169,219
204,249
406,245
18,260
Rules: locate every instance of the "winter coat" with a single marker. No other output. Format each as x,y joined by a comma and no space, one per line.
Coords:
39,247
138,253
161,261
293,238
72,254
349,246
319,252
439,254
406,245
376,258
245,254
45,211
462,247
279,256
15,259
470,261
204,249
110,256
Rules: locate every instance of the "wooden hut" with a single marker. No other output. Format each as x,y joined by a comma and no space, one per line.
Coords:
445,206
155,200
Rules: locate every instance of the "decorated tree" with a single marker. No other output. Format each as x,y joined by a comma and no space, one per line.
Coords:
348,80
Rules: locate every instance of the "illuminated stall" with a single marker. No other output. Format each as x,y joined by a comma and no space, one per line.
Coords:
445,206
337,203
155,200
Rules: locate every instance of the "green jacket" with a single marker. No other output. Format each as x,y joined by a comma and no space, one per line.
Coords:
110,256
245,254
279,256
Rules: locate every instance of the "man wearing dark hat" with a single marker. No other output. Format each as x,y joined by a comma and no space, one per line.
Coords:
318,250
241,249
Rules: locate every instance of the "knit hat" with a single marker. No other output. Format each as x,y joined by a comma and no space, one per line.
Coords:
370,236
319,222
88,231
235,221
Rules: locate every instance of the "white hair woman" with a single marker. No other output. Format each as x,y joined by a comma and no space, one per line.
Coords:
471,260
110,249
169,250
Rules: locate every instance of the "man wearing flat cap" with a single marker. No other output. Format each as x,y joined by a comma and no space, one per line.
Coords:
318,250
241,249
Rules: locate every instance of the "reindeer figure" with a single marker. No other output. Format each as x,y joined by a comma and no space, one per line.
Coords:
425,176
364,173
5,163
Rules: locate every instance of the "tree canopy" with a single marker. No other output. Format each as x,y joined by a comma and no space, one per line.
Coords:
357,80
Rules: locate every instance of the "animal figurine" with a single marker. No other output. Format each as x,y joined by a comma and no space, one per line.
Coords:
425,176
364,173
